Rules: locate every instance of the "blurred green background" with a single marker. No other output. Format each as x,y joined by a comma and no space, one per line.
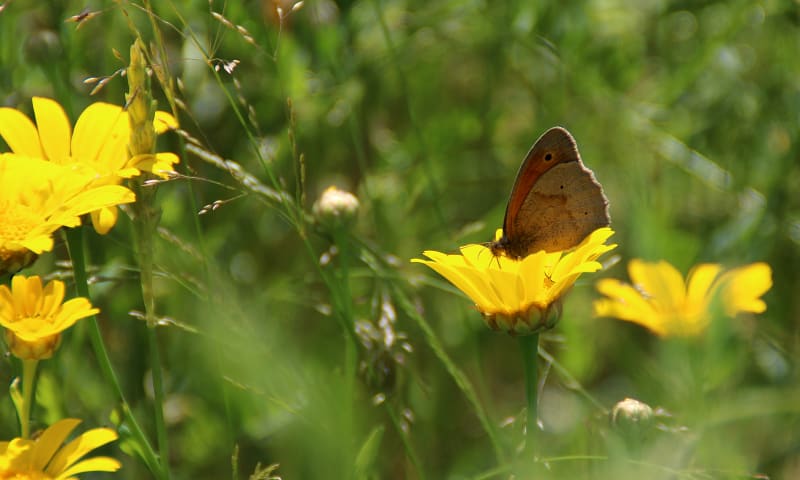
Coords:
688,113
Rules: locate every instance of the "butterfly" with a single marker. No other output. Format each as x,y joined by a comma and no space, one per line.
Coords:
556,201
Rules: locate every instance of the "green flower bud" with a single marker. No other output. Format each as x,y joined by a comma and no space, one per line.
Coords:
336,207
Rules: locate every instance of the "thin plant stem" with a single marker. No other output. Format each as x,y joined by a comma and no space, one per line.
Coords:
167,82
407,444
348,325
140,109
529,344
75,247
144,226
28,375
458,376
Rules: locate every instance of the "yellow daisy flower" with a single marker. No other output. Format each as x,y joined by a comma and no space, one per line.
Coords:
518,296
39,197
99,144
46,459
34,317
661,301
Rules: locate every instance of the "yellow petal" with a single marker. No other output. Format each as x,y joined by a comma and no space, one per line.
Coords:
55,131
477,256
80,446
743,287
52,296
104,219
498,234
113,155
73,310
660,280
609,308
98,126
20,133
6,305
164,121
505,291
599,236
532,269
159,163
39,243
700,281
461,279
630,303
26,292
86,201
52,438
94,464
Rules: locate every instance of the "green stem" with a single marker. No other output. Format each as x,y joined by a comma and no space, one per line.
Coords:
409,446
144,228
159,396
75,247
458,376
530,349
344,302
28,374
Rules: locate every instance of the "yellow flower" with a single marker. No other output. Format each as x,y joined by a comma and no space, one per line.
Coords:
99,144
39,197
46,459
517,295
661,301
34,317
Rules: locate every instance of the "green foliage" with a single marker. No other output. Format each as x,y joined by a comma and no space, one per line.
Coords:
687,112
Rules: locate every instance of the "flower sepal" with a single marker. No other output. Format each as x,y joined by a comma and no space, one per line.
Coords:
41,349
529,322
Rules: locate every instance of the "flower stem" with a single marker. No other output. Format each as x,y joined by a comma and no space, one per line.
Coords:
144,229
28,374
348,325
530,351
75,247
142,143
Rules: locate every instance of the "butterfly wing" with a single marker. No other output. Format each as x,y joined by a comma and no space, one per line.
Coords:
561,209
556,201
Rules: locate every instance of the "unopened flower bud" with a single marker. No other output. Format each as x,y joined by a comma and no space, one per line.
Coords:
336,207
139,104
632,419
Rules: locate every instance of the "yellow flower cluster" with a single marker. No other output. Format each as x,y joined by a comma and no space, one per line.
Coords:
54,175
523,296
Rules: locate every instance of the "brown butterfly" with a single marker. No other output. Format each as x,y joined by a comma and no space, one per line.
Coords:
556,201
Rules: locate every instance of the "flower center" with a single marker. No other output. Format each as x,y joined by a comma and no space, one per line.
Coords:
16,221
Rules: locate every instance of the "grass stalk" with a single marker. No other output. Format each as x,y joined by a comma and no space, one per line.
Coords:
529,344
145,449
